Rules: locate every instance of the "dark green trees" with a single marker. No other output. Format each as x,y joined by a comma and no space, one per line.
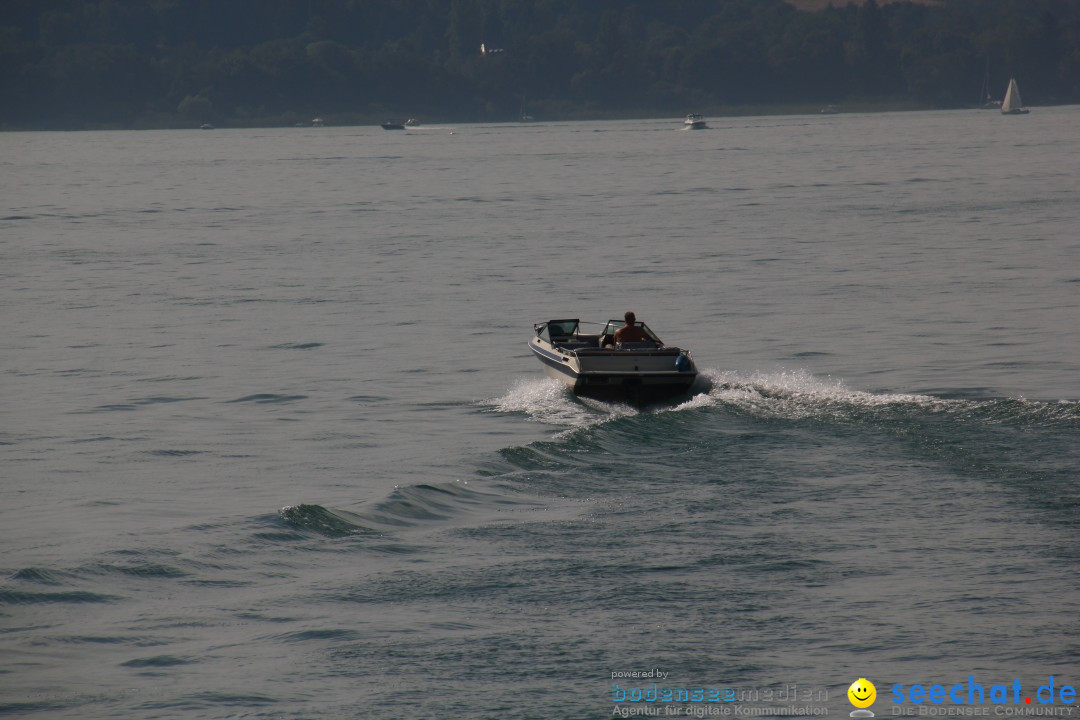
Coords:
87,63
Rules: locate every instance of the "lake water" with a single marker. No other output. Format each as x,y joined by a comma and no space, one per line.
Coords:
272,444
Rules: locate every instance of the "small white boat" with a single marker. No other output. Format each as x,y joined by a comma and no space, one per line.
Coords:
694,121
594,365
412,122
1012,105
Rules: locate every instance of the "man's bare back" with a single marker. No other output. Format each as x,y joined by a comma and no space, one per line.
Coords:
630,332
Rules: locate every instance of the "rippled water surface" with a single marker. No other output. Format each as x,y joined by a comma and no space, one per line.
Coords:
273,445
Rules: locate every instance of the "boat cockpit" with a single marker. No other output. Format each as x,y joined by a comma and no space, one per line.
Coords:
567,335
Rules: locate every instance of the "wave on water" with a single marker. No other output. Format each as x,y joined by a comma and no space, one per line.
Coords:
321,521
415,506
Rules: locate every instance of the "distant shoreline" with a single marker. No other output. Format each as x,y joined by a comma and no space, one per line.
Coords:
367,120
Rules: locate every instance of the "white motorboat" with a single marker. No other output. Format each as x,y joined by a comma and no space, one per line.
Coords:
594,365
695,121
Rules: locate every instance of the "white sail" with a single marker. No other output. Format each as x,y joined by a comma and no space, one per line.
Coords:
1012,102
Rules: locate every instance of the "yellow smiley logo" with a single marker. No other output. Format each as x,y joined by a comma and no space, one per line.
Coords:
862,693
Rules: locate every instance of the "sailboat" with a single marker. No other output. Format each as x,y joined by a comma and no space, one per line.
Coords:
1012,105
524,116
988,103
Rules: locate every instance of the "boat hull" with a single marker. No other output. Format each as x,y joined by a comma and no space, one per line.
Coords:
619,376
695,122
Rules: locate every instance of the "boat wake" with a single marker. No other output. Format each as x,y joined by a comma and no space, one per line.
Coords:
548,401
800,395
782,395
535,483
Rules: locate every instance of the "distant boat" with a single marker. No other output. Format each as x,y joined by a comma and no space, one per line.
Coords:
1012,105
317,122
988,103
392,125
829,110
412,122
206,126
694,121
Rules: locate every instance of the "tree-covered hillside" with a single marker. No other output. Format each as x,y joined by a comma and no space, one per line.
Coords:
145,63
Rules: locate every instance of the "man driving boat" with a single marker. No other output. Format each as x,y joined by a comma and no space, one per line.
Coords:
631,332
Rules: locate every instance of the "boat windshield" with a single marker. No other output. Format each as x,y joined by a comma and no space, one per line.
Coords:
555,330
613,325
